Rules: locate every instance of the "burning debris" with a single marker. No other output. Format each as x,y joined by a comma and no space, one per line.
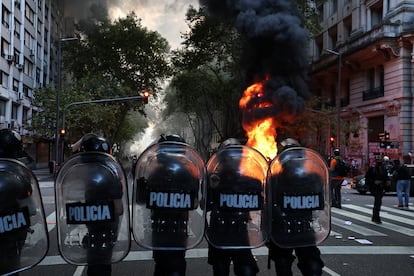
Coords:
275,61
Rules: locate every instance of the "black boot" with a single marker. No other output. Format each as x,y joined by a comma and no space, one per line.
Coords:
246,271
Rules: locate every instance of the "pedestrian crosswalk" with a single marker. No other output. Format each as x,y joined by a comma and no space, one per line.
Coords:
358,219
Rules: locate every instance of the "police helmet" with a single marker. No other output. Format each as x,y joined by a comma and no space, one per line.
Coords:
386,158
92,142
336,152
10,143
229,142
171,137
289,143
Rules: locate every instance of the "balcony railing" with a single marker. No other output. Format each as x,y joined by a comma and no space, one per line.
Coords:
373,93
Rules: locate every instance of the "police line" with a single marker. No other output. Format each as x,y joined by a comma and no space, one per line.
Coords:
248,201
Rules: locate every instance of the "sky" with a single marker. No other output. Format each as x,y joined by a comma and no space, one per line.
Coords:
164,16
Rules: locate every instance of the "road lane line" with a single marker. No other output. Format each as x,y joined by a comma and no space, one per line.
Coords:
356,228
386,225
383,214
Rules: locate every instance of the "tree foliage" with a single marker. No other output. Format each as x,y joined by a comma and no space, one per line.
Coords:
110,60
207,81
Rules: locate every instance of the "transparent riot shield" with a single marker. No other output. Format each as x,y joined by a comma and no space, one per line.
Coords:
24,240
92,212
298,193
235,198
167,209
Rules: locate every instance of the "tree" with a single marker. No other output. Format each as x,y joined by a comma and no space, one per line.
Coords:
207,83
110,60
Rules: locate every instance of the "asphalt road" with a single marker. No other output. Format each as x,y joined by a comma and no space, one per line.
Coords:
356,246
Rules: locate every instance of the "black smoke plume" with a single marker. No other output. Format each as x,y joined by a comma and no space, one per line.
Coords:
274,47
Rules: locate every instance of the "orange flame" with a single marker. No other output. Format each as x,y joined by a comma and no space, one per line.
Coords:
261,133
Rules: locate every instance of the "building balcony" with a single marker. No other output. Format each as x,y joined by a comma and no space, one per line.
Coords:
373,93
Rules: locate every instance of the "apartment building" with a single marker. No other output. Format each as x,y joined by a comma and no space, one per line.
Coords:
29,33
367,46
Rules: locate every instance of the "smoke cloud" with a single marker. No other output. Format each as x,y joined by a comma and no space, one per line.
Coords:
164,16
275,48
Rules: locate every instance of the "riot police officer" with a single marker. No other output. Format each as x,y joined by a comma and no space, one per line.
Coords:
300,214
91,188
91,142
234,196
20,203
167,187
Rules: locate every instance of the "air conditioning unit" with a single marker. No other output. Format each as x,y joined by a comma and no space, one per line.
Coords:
19,66
20,96
2,119
32,53
9,57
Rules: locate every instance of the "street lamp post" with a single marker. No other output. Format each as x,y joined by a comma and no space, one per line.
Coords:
338,97
59,87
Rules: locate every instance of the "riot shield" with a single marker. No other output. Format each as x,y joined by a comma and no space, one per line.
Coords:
298,192
92,210
235,198
24,240
167,211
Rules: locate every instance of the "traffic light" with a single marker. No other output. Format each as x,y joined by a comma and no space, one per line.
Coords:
332,141
62,133
146,96
387,135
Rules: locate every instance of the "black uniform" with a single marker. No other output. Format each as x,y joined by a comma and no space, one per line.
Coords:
102,186
376,178
14,187
229,225
295,225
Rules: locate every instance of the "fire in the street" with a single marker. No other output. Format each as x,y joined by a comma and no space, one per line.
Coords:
261,131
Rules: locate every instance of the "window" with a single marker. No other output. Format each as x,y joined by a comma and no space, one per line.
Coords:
38,76
17,26
16,56
333,37
5,13
28,40
375,83
347,27
15,85
14,112
29,13
17,4
25,117
28,67
26,90
5,48
375,127
2,108
4,79
376,14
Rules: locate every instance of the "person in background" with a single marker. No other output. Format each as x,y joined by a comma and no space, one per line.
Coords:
376,178
402,177
336,180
